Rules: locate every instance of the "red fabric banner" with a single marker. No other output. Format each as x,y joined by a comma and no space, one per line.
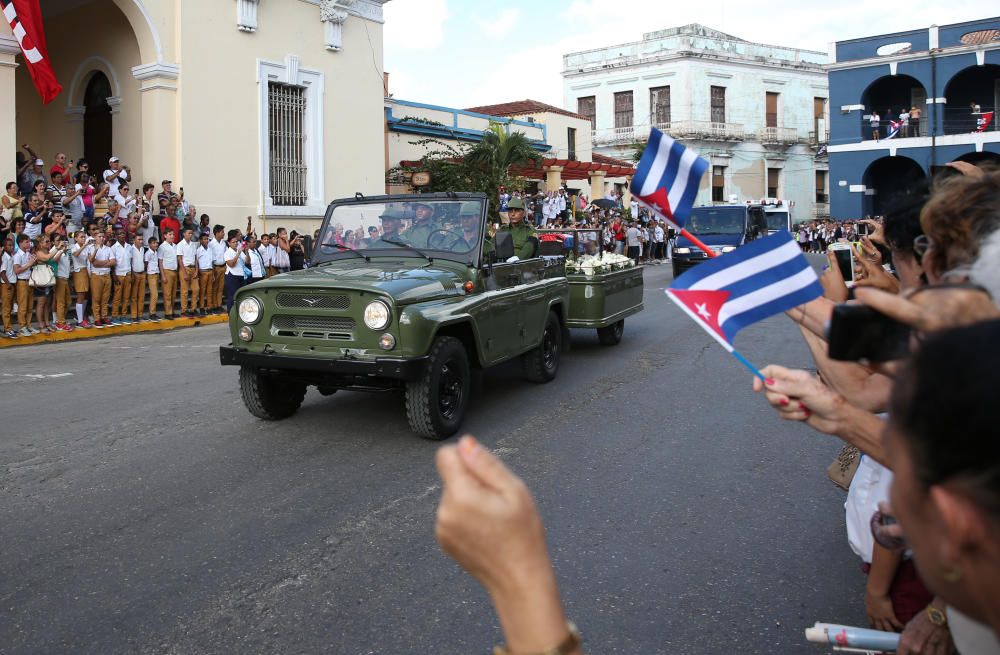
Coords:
25,19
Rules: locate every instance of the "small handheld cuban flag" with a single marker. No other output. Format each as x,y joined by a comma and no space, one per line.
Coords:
894,127
667,178
763,278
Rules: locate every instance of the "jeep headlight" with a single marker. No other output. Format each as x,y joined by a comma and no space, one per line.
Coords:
250,310
726,249
376,315
682,251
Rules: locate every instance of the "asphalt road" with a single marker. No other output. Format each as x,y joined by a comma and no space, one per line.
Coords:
144,510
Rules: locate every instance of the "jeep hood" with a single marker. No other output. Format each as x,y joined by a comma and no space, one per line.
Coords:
401,279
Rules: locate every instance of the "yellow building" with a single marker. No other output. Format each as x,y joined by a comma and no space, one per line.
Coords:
255,108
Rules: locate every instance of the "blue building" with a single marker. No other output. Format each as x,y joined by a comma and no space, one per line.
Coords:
949,73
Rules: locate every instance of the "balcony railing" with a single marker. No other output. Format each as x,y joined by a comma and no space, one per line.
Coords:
613,136
821,210
956,121
778,135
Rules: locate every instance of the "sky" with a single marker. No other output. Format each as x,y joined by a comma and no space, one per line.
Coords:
465,53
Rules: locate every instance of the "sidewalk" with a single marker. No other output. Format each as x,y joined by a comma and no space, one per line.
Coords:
93,333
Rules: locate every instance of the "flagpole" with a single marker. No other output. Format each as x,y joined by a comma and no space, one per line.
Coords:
743,360
696,241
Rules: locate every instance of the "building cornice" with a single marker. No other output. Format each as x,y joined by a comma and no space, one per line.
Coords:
160,69
910,56
365,9
817,69
589,74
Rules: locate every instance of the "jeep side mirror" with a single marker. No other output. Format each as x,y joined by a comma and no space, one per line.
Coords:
504,246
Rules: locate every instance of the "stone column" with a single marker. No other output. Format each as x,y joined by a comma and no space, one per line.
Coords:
596,185
627,193
553,178
8,126
160,136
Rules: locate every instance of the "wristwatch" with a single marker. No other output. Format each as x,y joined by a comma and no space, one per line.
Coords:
936,616
568,645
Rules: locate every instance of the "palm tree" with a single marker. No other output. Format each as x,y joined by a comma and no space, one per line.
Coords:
498,151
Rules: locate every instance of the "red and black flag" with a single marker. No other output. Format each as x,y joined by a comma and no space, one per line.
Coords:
25,19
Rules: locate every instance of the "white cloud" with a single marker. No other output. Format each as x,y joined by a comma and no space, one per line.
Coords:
500,25
414,24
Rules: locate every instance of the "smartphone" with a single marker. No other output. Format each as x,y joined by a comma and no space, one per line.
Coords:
861,229
844,252
859,333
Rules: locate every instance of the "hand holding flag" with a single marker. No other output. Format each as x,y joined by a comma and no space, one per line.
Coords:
765,277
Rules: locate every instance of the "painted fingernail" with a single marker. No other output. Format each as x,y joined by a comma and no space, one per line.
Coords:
769,382
808,413
803,406
783,401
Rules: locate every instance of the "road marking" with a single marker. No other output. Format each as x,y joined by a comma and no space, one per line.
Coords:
37,376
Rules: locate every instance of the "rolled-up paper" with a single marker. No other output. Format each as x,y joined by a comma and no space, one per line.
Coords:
849,637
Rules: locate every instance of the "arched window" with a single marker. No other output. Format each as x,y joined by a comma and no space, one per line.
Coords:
97,145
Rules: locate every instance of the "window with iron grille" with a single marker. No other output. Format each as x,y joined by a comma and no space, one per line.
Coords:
718,184
286,111
571,143
587,107
623,109
659,105
718,104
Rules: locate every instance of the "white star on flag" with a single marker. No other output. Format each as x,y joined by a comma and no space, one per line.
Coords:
703,311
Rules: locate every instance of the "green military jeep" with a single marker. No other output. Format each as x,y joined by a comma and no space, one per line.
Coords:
410,292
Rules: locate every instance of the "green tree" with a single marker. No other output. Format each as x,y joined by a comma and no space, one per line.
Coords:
483,166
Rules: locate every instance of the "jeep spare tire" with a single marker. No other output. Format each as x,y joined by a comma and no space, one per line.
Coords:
437,400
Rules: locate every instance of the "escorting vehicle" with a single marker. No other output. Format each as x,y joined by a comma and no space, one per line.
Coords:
410,292
723,228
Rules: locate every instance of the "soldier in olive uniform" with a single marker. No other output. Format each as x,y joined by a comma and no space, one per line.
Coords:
423,225
524,236
471,215
392,221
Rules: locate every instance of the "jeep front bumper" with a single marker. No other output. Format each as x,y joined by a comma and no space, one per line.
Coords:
384,367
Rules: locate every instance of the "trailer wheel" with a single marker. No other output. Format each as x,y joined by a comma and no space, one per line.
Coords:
611,335
270,397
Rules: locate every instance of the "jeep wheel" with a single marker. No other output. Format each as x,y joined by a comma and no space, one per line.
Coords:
611,335
542,363
436,402
270,397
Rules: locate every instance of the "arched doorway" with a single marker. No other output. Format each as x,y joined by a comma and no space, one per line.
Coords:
97,145
978,85
889,179
889,95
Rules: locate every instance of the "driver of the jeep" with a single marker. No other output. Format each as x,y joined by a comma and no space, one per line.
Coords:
422,225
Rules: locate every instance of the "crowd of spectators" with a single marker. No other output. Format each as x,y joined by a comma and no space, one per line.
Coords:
117,253
920,457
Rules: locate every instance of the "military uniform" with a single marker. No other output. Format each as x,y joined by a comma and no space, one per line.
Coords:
419,232
524,236
391,214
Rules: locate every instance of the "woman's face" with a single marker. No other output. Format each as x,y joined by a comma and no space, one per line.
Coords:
12,189
926,534
40,186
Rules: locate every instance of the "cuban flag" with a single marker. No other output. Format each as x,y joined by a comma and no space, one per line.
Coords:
25,20
894,128
983,121
667,178
765,277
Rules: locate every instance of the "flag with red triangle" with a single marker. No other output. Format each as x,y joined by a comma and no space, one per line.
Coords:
25,20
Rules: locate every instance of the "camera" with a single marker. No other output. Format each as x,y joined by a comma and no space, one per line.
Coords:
862,229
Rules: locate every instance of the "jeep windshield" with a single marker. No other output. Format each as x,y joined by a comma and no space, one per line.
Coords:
717,220
438,227
777,221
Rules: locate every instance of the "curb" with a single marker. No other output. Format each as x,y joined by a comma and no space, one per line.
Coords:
95,333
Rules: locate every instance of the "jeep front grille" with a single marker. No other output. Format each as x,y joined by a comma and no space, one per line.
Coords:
313,327
312,301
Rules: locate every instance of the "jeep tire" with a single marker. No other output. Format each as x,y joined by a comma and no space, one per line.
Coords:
541,363
437,400
611,335
270,397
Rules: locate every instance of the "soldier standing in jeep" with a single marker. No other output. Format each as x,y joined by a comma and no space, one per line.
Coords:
524,236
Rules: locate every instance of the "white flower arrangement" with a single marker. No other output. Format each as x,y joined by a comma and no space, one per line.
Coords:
595,265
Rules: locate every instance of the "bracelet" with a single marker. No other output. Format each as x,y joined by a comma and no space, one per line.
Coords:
568,645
